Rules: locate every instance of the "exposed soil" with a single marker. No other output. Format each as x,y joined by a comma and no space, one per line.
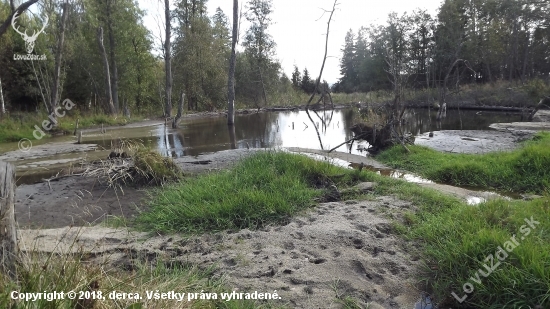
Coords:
81,201
468,141
335,250
522,126
73,200
46,151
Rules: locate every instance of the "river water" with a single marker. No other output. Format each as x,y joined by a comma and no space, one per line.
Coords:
318,130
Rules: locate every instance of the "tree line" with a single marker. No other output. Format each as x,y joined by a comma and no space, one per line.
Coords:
470,41
99,54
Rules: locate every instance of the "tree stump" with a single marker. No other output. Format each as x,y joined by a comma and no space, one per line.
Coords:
9,249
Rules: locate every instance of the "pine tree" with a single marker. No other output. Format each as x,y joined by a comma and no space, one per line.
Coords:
307,84
296,78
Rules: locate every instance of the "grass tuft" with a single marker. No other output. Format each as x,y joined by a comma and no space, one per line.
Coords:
265,188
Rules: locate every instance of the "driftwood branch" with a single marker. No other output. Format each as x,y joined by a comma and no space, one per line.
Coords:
351,140
316,130
401,139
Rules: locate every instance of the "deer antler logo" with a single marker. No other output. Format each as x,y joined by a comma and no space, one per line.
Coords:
29,40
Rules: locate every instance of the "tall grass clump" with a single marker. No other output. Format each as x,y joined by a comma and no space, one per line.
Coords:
522,170
456,245
153,167
138,166
263,188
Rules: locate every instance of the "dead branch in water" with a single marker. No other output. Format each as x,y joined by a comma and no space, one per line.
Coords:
325,57
351,140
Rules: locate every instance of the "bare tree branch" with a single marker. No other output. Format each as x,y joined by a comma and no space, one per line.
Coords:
325,57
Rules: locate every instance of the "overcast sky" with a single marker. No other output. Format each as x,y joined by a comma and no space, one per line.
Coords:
299,33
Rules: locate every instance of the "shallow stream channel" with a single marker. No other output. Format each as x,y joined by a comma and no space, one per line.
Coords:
318,130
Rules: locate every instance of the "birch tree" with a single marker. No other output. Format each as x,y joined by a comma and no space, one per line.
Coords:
58,58
231,78
167,61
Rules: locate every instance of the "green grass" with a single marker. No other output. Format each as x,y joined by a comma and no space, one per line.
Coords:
265,188
522,170
13,129
456,243
21,125
454,239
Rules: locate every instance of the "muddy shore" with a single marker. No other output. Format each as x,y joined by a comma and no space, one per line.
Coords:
335,249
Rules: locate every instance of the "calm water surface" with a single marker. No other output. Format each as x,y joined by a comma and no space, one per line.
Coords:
319,130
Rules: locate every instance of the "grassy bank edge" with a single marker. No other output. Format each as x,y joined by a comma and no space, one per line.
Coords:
524,170
455,239
452,238
22,125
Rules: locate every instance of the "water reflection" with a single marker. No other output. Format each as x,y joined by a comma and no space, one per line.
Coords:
313,129
258,130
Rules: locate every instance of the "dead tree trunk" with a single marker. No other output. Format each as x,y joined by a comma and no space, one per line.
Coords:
232,63
58,55
180,111
232,137
9,249
126,108
264,93
325,57
2,104
114,75
109,107
167,62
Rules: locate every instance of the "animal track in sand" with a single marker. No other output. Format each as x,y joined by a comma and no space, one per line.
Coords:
384,228
288,245
350,217
298,235
358,243
317,261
